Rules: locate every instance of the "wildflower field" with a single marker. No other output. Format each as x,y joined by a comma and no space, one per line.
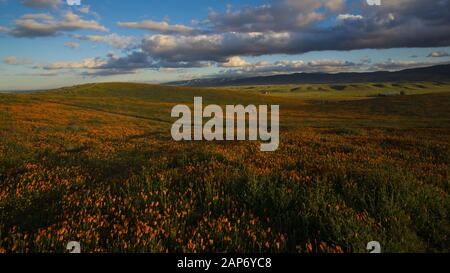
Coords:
96,164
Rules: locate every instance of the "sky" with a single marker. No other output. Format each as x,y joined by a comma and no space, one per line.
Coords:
53,43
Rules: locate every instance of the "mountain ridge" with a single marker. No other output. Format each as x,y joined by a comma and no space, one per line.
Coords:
430,73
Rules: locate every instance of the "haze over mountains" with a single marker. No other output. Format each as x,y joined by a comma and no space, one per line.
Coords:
432,73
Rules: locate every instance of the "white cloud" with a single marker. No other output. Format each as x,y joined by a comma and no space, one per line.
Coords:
213,47
88,11
41,25
350,17
310,5
235,61
263,68
291,66
37,16
309,18
85,9
439,54
72,45
13,60
90,63
157,26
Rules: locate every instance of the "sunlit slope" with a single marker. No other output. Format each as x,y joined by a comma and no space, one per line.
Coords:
352,91
355,105
146,100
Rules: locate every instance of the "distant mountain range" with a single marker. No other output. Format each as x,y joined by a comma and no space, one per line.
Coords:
433,73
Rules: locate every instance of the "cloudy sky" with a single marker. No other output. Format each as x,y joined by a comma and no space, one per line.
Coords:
49,43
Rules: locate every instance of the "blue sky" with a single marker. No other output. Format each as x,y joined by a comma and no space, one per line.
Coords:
47,43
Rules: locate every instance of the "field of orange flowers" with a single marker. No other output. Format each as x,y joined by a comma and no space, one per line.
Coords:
106,173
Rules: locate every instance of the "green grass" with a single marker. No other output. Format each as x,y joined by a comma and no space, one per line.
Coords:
346,91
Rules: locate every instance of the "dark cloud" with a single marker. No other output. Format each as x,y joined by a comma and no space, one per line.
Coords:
215,47
41,4
114,40
280,27
116,65
278,16
296,27
140,60
131,62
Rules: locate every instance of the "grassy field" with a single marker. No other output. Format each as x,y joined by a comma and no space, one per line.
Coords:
346,91
356,163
